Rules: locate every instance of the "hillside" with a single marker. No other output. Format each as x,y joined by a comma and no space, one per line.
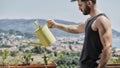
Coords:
27,26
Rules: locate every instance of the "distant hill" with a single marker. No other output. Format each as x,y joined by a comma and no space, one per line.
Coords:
115,33
27,26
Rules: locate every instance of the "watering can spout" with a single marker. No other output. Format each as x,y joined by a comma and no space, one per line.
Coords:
33,43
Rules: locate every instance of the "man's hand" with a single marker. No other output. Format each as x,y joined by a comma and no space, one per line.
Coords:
51,23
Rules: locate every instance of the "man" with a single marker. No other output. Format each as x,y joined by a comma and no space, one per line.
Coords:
98,35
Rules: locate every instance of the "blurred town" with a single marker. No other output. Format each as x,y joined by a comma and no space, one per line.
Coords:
14,41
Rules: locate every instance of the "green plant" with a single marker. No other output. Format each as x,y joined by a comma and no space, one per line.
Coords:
46,59
67,59
4,56
115,61
27,59
57,59
16,62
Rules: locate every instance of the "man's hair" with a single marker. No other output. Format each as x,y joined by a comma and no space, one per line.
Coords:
94,1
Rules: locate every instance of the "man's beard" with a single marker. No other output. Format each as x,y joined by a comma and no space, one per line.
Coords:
87,10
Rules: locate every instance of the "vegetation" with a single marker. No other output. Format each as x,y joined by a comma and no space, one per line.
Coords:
27,58
4,56
68,59
62,59
114,61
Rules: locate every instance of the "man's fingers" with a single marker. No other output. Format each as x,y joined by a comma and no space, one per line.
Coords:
50,23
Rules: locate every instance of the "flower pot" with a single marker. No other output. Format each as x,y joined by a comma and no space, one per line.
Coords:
113,66
31,66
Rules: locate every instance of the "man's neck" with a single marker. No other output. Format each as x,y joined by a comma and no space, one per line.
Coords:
94,11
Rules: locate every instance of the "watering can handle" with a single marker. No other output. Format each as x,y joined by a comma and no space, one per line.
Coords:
37,24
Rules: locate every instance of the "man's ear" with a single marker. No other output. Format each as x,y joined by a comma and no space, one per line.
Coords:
89,3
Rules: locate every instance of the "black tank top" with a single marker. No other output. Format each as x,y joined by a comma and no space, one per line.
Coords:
92,46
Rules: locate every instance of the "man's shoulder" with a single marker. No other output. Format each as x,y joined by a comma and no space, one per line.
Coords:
102,20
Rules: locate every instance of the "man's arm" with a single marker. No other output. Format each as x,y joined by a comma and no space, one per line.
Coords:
67,28
105,32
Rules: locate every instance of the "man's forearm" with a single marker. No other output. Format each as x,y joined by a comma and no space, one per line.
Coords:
67,28
105,57
61,27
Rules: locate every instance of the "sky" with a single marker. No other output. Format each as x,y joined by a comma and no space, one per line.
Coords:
56,9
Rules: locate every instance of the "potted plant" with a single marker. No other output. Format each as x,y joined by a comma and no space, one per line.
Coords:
114,63
27,59
45,57
4,56
46,64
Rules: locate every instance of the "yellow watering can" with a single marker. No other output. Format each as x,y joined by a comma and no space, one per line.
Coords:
44,35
